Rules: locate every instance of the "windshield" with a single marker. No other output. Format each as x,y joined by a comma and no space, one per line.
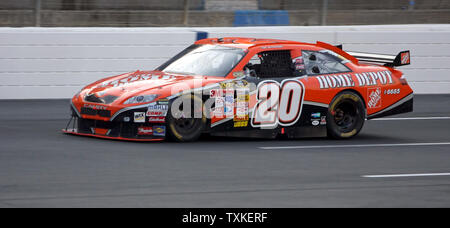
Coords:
208,60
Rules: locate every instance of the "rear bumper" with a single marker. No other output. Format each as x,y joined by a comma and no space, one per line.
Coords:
404,105
116,130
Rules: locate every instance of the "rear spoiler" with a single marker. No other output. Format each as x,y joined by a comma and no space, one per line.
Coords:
402,59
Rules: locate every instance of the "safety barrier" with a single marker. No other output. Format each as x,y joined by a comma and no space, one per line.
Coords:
47,63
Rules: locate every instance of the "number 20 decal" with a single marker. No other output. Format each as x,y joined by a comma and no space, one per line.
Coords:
278,104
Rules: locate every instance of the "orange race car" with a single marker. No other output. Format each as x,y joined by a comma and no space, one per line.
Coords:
246,87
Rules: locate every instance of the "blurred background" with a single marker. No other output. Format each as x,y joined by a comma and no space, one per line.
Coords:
50,49
217,13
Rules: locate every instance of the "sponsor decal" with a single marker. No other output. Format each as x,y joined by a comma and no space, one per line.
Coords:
216,93
241,124
405,58
156,113
298,60
392,91
139,117
363,79
229,99
219,102
241,84
96,107
136,77
157,119
335,81
163,101
228,111
300,67
315,115
242,105
374,78
159,130
315,122
218,112
157,110
241,113
229,103
374,97
242,95
227,85
323,120
145,131
225,101
158,107
234,84
298,63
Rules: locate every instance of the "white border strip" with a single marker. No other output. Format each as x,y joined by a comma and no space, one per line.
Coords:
415,118
407,175
353,146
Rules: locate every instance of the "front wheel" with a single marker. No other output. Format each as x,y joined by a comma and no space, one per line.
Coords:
188,122
346,115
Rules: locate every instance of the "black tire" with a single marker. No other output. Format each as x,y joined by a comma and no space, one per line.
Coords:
346,115
186,129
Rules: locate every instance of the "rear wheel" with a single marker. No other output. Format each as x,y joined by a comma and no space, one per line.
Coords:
186,125
346,115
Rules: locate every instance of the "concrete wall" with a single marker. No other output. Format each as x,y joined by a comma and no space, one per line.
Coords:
57,62
101,4
198,4
157,13
197,18
353,4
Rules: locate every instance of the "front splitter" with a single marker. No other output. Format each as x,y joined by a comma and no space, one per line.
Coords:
73,132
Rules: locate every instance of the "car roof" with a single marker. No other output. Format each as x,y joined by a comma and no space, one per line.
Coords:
243,42
248,43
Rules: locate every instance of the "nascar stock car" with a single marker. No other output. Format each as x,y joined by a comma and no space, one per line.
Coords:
246,87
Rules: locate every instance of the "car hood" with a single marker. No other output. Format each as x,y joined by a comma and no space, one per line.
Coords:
137,83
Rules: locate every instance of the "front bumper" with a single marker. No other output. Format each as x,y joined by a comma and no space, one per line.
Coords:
126,124
116,130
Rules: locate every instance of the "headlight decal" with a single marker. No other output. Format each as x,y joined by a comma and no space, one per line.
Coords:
141,99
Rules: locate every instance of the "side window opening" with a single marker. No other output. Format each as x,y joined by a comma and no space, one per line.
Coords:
271,64
323,63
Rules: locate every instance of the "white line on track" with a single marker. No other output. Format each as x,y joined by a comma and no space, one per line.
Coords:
355,145
407,175
417,118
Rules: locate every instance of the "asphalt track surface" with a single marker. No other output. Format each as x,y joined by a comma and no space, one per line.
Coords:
41,167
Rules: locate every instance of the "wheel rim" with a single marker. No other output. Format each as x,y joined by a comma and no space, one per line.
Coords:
345,116
185,123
